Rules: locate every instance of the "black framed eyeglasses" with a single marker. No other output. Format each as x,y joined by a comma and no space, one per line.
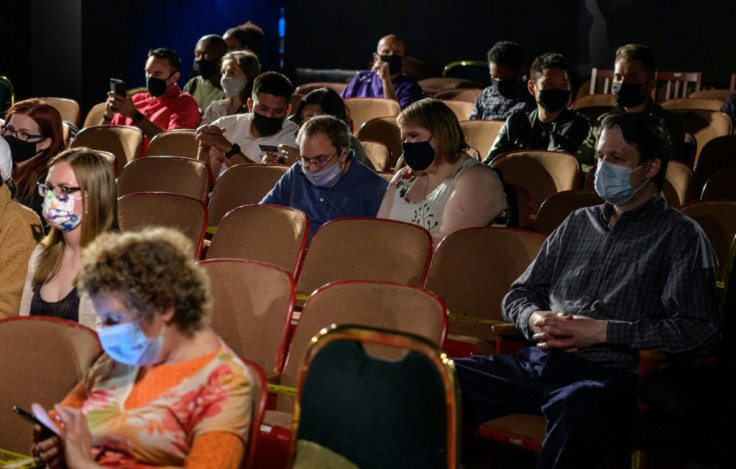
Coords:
21,135
320,163
60,192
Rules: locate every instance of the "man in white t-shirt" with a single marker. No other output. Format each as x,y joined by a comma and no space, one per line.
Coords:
247,138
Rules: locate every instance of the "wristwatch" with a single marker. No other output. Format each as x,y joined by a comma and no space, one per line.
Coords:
235,149
138,116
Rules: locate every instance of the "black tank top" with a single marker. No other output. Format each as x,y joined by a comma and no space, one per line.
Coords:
66,308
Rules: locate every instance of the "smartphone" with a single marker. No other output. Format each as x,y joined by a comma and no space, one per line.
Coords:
118,87
46,432
269,148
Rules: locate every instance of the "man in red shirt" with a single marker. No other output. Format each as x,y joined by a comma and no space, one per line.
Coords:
163,107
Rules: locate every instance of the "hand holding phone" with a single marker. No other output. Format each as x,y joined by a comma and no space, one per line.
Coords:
48,427
118,87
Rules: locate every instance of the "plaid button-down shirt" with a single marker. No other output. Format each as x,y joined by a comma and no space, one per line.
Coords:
652,276
491,105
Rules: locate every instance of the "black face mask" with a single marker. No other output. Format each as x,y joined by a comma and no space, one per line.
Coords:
628,94
394,63
205,68
156,86
267,125
506,88
418,155
554,100
21,151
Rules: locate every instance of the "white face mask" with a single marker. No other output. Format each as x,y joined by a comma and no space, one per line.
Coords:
127,344
233,86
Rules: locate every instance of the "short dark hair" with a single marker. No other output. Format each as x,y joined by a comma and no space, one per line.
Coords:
640,52
218,43
330,102
167,54
647,134
548,60
505,53
332,127
273,83
248,35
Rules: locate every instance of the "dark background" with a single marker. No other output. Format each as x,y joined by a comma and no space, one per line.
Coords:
71,48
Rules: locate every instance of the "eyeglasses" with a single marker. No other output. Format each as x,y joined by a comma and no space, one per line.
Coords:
21,135
318,162
60,192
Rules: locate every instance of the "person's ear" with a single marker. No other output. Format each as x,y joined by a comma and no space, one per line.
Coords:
530,86
166,313
651,87
44,144
175,77
249,102
654,166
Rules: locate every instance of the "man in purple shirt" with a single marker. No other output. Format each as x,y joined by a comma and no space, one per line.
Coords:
384,79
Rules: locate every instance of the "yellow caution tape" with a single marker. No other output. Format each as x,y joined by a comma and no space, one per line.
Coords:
282,390
470,319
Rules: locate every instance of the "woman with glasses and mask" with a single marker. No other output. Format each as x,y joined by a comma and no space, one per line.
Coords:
79,203
442,188
167,392
34,132
238,71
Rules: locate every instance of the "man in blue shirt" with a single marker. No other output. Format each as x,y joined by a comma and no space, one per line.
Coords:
328,182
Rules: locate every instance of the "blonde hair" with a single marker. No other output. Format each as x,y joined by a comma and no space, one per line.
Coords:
434,115
96,180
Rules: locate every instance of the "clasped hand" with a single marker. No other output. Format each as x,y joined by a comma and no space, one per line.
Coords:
560,330
211,136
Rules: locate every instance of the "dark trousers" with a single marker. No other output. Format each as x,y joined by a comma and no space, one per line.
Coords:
589,408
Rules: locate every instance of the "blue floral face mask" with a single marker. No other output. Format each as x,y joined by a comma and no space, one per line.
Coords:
612,183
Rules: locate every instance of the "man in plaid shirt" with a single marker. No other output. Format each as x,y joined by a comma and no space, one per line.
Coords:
630,274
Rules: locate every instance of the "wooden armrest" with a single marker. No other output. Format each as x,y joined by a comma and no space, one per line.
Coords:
273,377
652,354
505,329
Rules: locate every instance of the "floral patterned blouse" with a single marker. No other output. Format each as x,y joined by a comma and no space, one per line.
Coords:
426,213
216,397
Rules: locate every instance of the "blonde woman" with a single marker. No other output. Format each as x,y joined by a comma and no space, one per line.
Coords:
79,203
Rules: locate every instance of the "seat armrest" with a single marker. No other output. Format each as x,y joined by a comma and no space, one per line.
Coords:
505,329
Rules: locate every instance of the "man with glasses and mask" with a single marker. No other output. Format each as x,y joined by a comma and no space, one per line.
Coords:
328,182
633,84
551,126
247,138
384,79
630,274
507,93
163,107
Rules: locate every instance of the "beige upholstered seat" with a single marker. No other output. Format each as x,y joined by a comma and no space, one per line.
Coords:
179,142
556,208
362,110
378,155
720,186
175,174
480,135
68,108
462,109
384,130
94,115
121,140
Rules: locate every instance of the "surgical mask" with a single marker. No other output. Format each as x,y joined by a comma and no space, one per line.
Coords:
627,94
613,184
233,86
21,151
418,155
324,178
127,344
554,100
205,68
506,88
267,125
394,63
60,214
156,86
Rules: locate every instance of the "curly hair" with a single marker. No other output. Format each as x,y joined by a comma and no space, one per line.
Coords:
505,53
147,271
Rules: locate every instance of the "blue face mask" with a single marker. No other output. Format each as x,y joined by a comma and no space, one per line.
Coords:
127,344
612,183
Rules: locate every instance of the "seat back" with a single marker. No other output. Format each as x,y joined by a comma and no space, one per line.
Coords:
472,271
416,397
676,84
462,109
366,249
259,399
600,81
719,94
473,70
42,360
173,174
481,134
251,308
384,130
364,109
704,104
146,209
720,186
555,209
386,305
94,115
719,153
378,155
121,140
542,173
460,94
68,108
266,233
677,186
704,126
179,142
593,106
718,220
305,88
431,86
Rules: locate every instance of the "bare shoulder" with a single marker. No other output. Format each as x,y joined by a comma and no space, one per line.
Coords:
479,175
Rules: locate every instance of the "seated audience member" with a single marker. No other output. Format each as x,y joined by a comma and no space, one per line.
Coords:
239,69
34,132
633,83
238,138
384,79
328,183
163,107
247,37
630,274
205,87
442,189
729,107
167,391
19,229
507,93
80,203
551,126
315,103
